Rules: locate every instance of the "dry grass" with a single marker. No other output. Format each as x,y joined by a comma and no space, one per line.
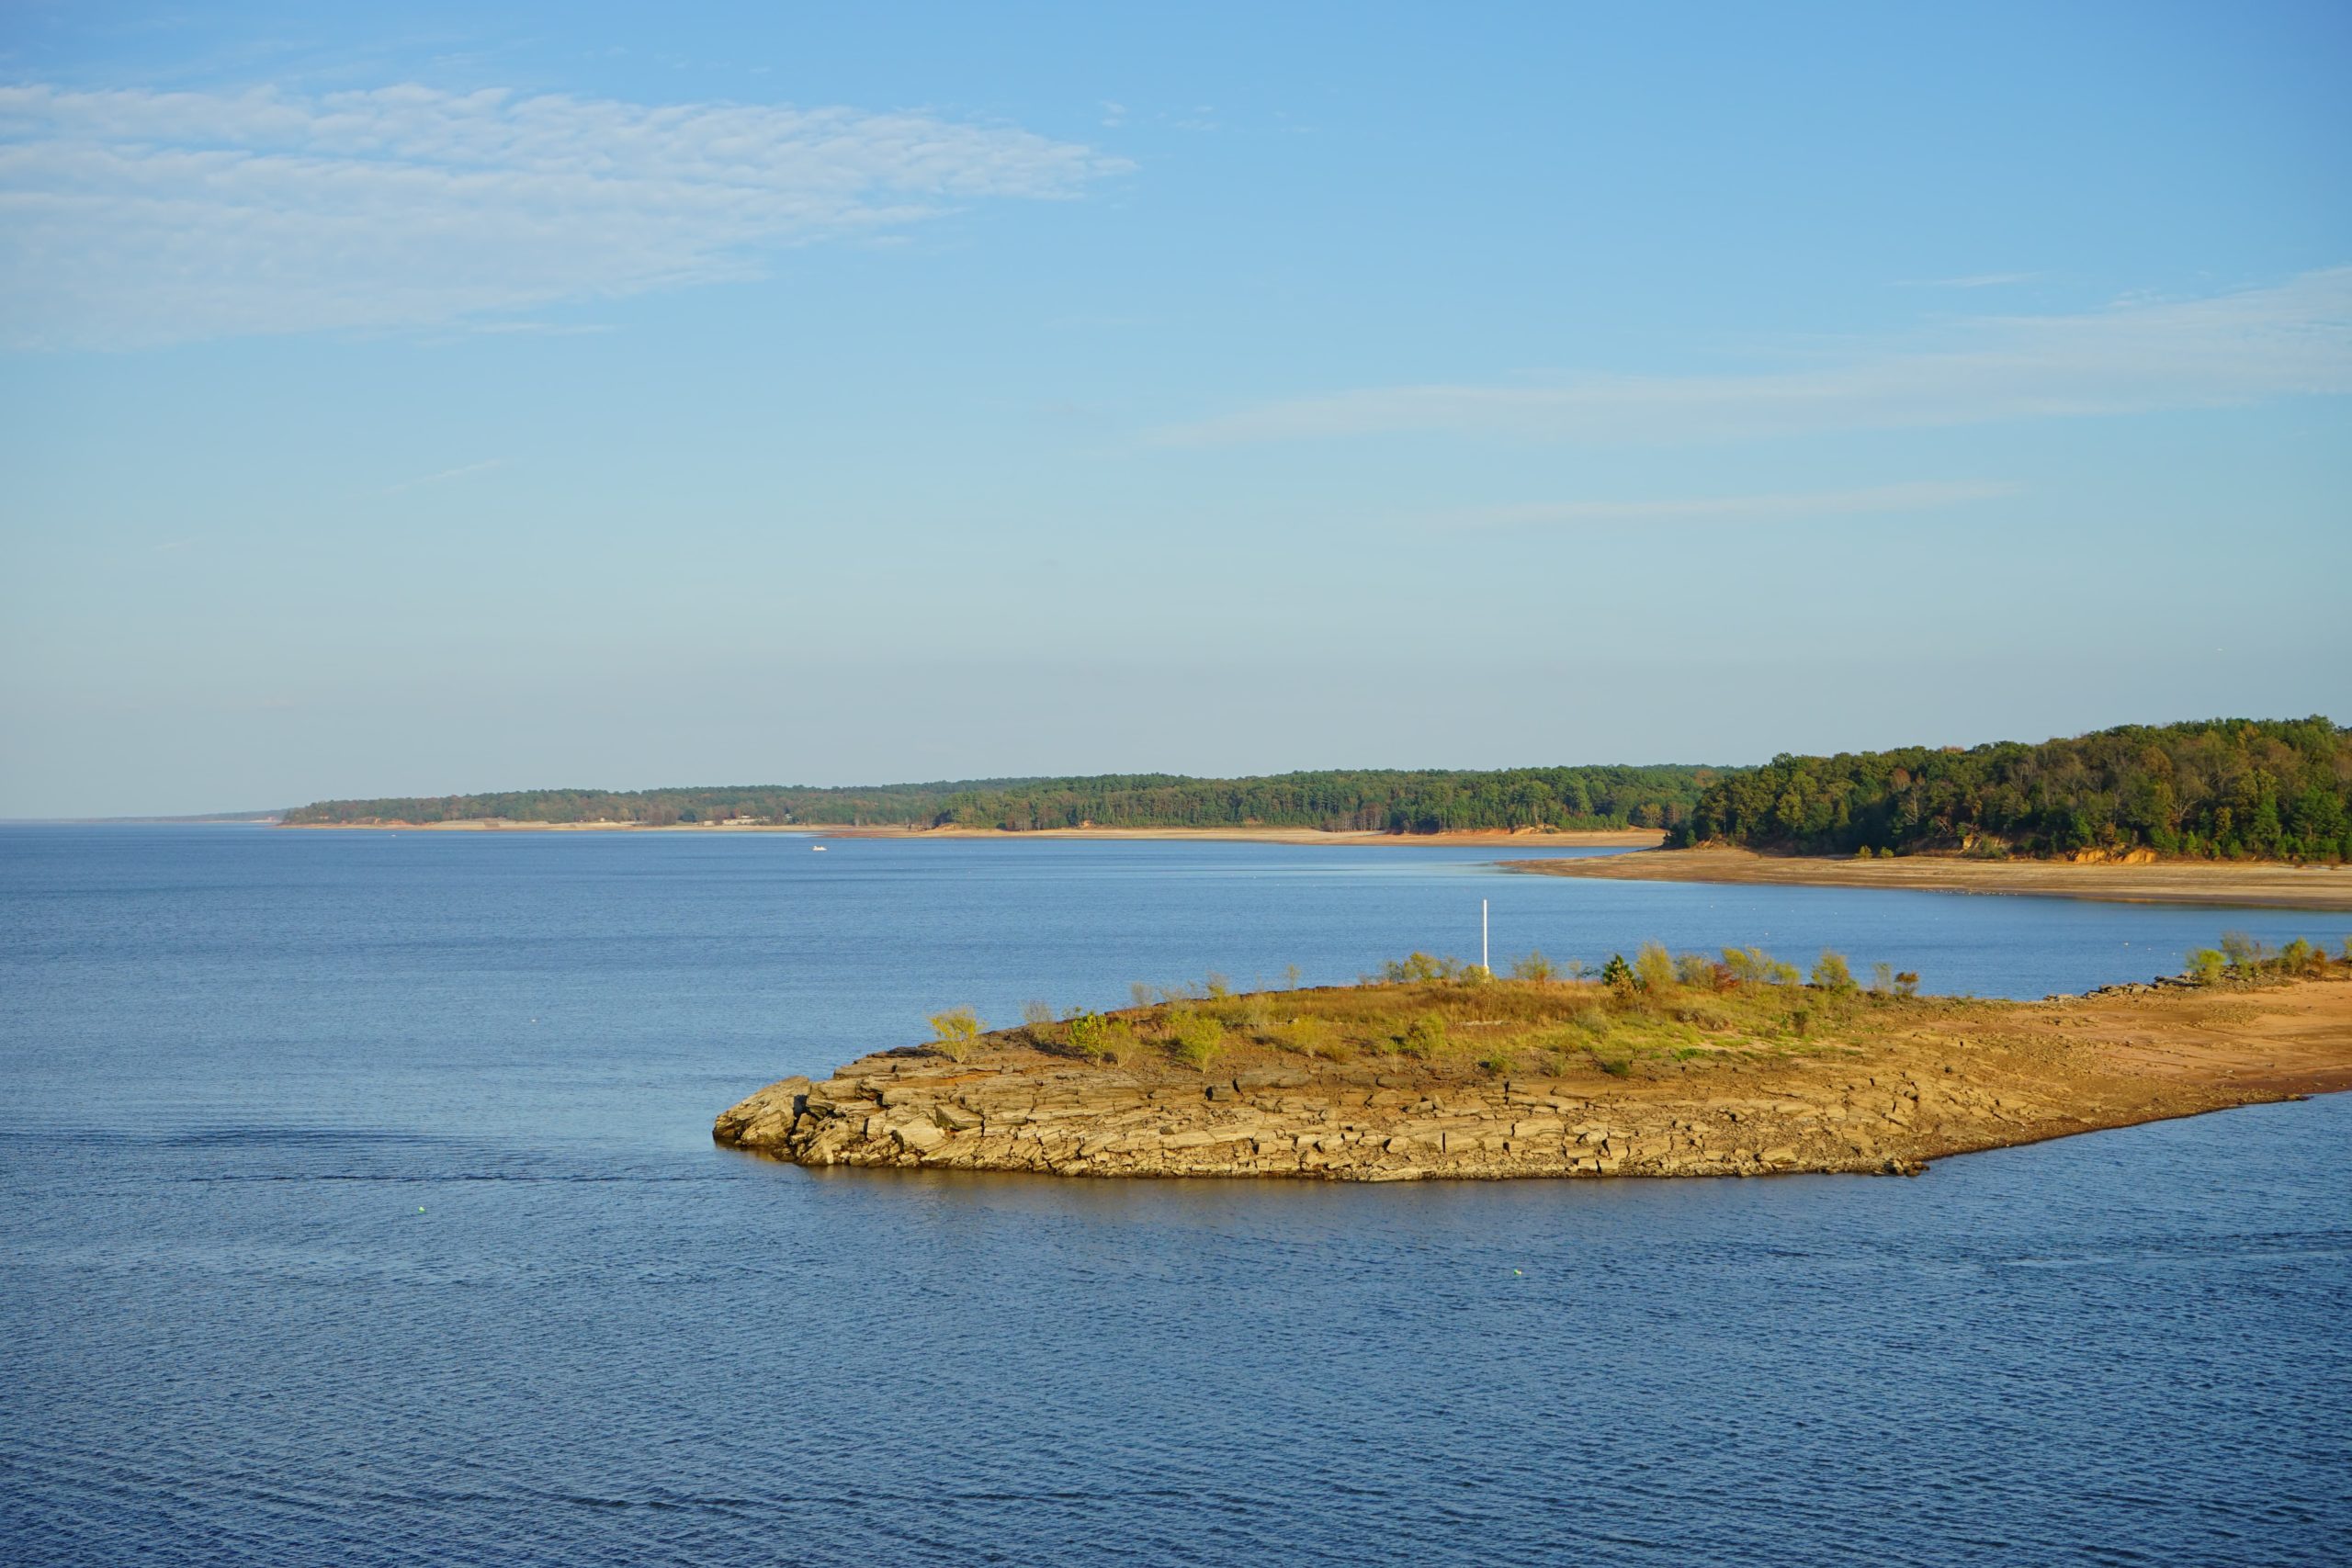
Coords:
1451,1028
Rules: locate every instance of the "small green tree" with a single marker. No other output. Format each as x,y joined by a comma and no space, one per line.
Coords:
1617,975
1425,1039
956,1030
1830,973
1308,1036
1417,969
2207,967
2244,954
1194,1037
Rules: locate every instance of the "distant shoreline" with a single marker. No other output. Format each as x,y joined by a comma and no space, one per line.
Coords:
2266,884
1607,838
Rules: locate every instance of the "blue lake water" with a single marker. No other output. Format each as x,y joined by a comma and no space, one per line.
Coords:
360,1208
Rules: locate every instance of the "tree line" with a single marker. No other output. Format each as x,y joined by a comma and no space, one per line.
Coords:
1376,800
2232,789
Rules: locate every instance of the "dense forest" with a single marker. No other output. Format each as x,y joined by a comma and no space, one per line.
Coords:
1380,801
2224,788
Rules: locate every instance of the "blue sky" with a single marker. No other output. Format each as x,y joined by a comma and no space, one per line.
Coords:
501,397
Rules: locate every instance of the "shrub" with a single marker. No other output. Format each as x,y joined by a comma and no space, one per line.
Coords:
1290,977
1038,1018
1654,969
1194,1038
1218,986
1747,965
1098,1038
1534,966
1615,1066
1308,1036
1418,969
956,1030
1694,969
1141,993
1497,1062
1255,1020
2244,954
1881,979
1592,1020
1906,983
1425,1039
1754,967
2206,967
1617,975
1831,975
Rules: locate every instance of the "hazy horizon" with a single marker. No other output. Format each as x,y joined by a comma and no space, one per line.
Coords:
532,396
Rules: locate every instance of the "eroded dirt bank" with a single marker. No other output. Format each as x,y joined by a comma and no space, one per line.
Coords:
1891,1084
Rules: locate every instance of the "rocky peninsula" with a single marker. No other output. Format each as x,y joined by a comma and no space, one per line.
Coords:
1704,1069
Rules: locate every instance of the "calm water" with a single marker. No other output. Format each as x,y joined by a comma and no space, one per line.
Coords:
359,1208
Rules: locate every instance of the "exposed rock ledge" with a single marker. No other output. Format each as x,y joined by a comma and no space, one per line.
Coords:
1939,1078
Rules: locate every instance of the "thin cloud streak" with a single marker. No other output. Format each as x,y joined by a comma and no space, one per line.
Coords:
2294,339
444,476
1925,495
135,218
1975,280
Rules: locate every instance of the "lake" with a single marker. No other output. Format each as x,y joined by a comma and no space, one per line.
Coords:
361,1209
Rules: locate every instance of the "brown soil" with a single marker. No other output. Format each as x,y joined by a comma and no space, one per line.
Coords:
2266,884
1693,1084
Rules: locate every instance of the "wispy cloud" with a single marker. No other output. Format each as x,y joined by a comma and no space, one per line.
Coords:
133,217
1973,280
2292,339
444,476
540,329
1924,495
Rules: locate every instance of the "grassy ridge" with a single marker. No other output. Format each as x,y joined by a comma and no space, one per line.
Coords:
1655,1010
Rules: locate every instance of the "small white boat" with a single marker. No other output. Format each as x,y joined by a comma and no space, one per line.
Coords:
817,849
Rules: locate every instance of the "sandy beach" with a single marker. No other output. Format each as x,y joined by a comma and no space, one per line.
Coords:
2263,885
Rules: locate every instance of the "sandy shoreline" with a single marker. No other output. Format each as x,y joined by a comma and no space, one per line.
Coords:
1881,1086
2268,885
1614,839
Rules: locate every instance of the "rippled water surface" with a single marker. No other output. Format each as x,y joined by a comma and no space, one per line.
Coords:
359,1208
